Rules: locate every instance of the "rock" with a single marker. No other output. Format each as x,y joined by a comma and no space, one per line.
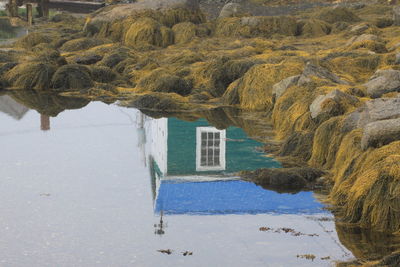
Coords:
373,110
318,71
362,38
231,10
396,16
382,82
359,28
87,59
397,60
283,179
379,133
123,11
332,104
280,88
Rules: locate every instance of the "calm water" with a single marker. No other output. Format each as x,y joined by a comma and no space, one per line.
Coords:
104,187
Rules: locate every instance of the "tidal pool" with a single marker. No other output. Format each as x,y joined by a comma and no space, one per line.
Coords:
108,186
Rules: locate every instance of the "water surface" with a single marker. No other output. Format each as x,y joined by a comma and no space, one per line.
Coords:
83,192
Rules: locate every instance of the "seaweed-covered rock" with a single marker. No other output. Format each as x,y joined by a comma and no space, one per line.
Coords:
382,82
283,179
332,15
73,77
314,28
231,10
33,39
332,104
103,74
184,32
112,59
81,44
255,26
280,88
167,13
87,59
35,76
362,38
147,31
379,133
162,81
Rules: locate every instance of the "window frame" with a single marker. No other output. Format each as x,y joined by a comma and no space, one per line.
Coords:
222,149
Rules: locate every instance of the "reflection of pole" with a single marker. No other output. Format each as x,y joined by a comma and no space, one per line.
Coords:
159,228
29,14
44,122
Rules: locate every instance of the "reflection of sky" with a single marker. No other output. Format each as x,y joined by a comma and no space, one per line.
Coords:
99,208
230,197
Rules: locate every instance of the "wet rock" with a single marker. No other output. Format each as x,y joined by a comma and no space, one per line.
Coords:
87,59
331,104
73,77
280,88
231,10
372,111
382,82
396,16
318,71
284,179
379,133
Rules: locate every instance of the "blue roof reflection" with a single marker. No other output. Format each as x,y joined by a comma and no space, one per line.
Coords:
230,197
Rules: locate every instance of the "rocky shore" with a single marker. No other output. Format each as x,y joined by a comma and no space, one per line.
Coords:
326,79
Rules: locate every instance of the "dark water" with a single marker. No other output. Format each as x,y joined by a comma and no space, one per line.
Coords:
95,187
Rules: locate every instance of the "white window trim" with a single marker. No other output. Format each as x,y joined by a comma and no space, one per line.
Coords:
222,148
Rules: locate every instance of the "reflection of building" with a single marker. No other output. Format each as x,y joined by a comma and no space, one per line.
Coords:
12,108
193,168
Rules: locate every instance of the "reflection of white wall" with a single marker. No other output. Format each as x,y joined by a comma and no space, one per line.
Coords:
12,108
210,149
157,134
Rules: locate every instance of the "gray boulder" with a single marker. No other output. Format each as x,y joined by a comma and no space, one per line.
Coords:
318,71
280,88
379,133
362,38
372,111
382,82
231,10
337,98
396,16
359,28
